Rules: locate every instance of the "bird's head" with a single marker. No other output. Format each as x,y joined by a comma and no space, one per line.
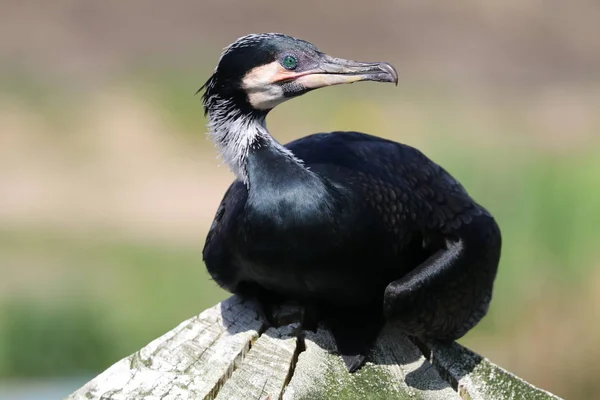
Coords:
260,71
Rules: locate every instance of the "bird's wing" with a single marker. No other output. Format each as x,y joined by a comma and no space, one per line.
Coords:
397,180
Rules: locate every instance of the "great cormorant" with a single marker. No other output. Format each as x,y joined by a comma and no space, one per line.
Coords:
361,229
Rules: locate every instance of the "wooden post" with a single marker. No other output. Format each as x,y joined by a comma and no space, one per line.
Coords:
224,353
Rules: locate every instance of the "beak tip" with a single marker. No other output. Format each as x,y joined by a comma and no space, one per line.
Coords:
391,71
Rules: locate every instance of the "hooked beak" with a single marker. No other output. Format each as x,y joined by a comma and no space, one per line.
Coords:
336,71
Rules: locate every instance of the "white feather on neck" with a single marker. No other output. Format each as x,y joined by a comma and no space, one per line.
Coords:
235,133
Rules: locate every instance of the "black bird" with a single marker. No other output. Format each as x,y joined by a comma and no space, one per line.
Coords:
361,229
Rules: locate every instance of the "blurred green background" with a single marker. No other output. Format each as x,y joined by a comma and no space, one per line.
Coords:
108,183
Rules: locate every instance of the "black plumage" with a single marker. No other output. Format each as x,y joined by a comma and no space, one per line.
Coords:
362,229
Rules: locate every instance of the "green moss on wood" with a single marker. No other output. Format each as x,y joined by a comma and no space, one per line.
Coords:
495,383
370,383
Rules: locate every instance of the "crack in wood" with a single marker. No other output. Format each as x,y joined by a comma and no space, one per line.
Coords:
444,373
300,347
235,363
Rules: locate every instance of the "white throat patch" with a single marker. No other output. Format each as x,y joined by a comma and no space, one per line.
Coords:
235,133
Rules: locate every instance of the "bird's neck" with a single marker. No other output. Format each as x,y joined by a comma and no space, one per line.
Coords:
238,135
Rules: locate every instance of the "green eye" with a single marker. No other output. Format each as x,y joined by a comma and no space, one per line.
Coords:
289,62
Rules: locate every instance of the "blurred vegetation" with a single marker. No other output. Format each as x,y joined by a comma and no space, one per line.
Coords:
112,298
94,296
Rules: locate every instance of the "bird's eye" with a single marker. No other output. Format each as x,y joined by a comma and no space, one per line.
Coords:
289,62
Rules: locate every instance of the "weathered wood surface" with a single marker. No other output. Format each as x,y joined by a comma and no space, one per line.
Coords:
224,354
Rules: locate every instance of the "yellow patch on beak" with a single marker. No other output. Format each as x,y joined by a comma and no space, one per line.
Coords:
317,80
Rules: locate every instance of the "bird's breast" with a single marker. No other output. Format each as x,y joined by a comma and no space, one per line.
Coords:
310,256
